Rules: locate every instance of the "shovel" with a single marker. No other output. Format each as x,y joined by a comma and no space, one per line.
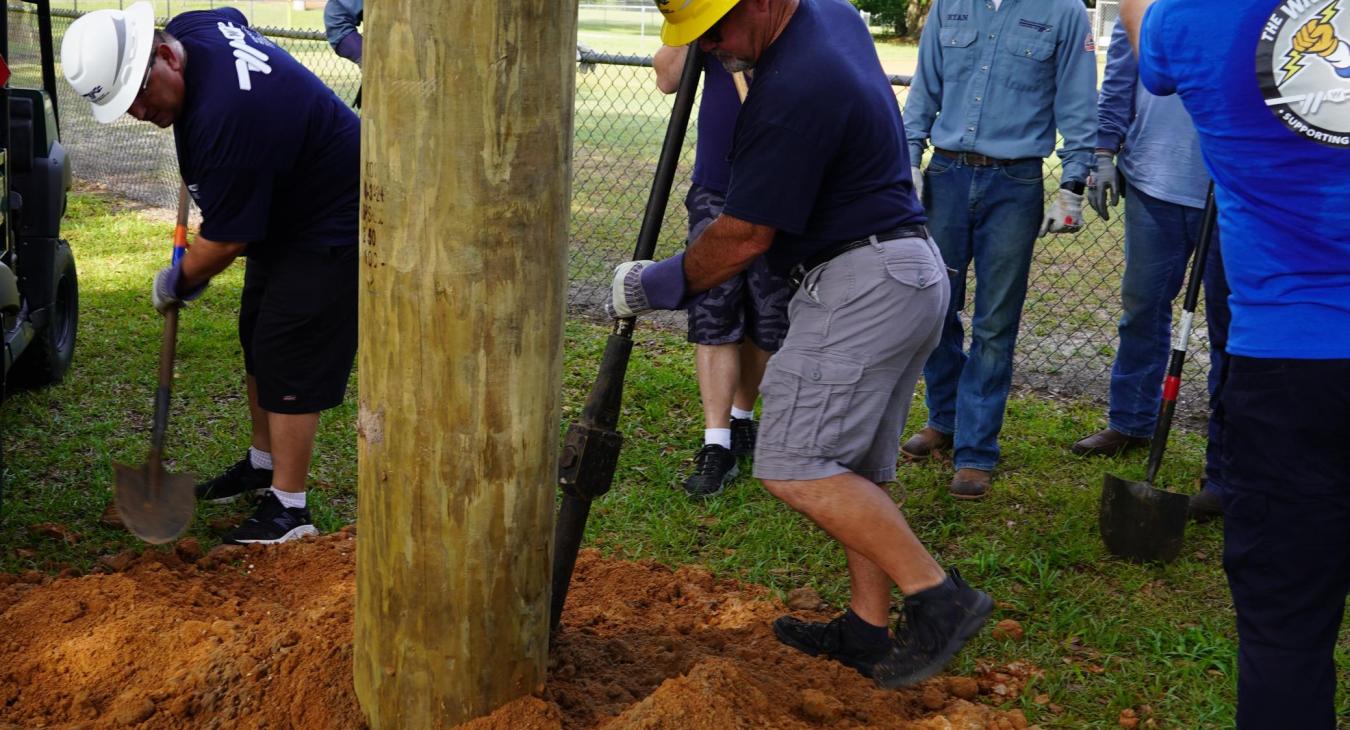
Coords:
155,505
1137,521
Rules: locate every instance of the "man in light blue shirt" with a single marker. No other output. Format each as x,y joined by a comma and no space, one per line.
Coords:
996,79
1164,183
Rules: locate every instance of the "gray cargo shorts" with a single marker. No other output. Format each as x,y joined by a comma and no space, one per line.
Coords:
837,393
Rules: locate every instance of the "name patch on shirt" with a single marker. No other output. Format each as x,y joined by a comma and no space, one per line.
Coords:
958,16
1303,68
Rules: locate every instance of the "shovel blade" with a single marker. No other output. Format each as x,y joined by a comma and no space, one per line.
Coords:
155,515
1141,523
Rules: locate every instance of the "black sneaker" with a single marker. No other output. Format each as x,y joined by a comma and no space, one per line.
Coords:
272,523
237,481
714,468
827,640
743,433
936,623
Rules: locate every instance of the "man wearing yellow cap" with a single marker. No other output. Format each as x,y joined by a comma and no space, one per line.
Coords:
820,186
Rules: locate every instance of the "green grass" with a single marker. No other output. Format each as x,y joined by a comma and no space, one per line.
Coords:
1108,635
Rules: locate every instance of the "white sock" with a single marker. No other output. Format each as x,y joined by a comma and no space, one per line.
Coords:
290,499
743,415
719,436
259,459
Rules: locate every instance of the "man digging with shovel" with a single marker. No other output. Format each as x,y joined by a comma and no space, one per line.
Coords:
820,185
271,157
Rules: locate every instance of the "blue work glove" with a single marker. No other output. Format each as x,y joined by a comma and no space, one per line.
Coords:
645,286
165,292
1104,181
350,47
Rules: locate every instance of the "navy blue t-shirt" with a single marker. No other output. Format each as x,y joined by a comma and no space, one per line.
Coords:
819,151
270,154
1267,85
716,121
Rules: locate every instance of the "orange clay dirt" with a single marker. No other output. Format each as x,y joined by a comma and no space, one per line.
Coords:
261,638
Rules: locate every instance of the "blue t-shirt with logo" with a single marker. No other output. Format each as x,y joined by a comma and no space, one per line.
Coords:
269,153
819,151
1265,83
717,112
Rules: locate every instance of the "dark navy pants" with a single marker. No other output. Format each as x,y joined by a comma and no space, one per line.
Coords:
1286,493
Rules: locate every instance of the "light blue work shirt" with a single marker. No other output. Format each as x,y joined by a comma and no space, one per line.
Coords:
999,82
340,17
1161,151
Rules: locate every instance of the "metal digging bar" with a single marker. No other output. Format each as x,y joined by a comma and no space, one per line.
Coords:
590,449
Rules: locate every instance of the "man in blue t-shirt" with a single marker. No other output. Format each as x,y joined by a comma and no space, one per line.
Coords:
820,186
1264,83
271,157
1163,180
737,324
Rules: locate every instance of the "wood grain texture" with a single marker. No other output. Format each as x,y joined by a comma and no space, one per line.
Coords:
466,146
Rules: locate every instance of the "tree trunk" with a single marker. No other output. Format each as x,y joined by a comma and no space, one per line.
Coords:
917,15
465,154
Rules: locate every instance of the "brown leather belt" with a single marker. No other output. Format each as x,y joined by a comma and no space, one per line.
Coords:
975,159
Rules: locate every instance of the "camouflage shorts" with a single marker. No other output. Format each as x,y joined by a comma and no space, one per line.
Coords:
752,304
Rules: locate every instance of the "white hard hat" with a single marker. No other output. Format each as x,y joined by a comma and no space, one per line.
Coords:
104,56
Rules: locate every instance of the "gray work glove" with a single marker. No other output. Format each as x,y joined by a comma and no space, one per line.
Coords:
1065,214
628,297
165,292
1104,181
917,174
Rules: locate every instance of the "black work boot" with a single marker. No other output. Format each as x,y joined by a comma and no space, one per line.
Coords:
714,468
237,481
743,434
830,640
936,623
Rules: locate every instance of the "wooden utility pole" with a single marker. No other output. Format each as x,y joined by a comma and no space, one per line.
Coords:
465,151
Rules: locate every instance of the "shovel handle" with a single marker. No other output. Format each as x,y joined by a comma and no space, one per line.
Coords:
167,348
1172,383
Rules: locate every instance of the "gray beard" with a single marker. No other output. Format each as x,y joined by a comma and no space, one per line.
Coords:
735,65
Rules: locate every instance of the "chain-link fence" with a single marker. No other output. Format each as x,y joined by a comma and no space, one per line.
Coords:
1068,334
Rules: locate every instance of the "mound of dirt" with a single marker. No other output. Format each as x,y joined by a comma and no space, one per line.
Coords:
260,637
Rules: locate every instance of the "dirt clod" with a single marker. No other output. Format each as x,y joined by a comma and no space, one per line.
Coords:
804,599
819,707
133,711
1007,629
963,687
119,562
188,549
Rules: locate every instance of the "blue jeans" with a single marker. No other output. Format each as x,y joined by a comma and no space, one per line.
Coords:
989,216
1159,240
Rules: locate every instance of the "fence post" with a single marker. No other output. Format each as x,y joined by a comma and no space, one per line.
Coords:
464,220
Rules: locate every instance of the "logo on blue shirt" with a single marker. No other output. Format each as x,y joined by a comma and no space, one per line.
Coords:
1303,66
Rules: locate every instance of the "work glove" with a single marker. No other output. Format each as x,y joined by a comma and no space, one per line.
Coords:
1104,182
1065,215
917,174
165,292
644,286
